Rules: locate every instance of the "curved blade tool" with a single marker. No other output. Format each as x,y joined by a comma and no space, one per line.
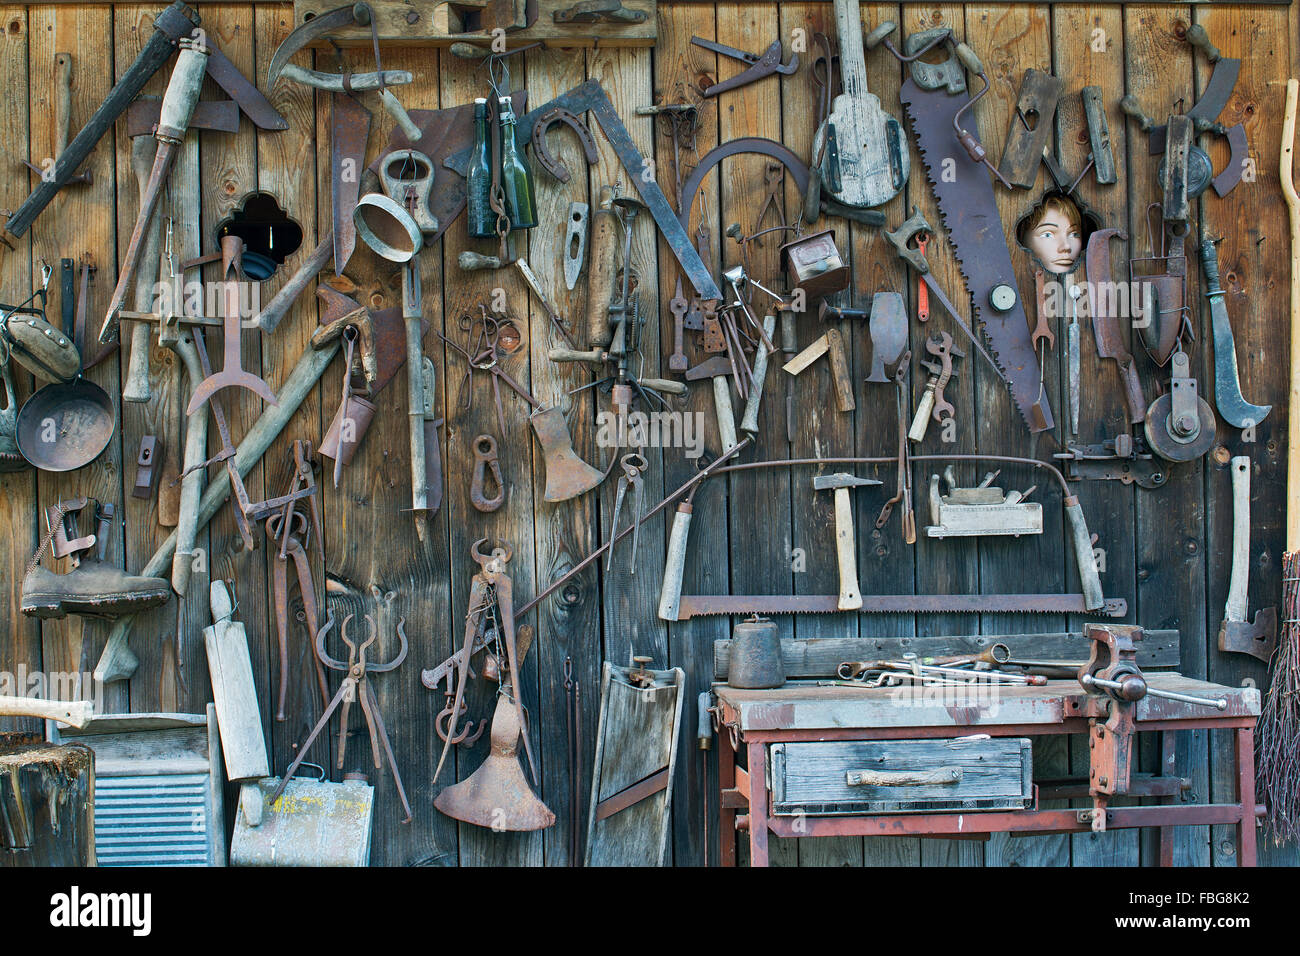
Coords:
1236,411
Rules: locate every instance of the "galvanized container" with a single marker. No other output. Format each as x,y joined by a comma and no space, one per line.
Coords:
756,656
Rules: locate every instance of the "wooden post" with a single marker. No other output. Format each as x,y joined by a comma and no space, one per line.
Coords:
46,805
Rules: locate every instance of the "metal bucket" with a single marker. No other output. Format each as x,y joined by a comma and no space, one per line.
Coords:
313,823
755,656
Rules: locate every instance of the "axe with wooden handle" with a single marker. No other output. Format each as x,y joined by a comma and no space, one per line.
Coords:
1237,634
75,713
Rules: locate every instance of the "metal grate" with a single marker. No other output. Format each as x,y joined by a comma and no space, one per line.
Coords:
154,820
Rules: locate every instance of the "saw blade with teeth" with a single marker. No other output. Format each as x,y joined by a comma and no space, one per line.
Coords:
696,605
969,213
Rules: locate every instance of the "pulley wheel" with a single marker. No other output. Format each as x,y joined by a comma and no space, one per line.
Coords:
1200,172
1161,438
65,427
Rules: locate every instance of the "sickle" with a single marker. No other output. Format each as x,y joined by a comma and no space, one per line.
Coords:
307,33
746,144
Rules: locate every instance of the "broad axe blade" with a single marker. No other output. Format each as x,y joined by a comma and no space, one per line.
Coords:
1258,639
709,368
220,115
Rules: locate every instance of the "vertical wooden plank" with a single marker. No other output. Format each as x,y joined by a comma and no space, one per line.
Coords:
568,625
1009,39
822,428
755,110
677,63
630,602
1088,49
377,544
159,684
21,651
286,169
70,226
1253,258
460,81
1170,527
941,566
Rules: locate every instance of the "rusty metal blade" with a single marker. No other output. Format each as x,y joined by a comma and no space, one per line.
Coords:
220,115
696,605
248,97
349,133
1109,338
969,212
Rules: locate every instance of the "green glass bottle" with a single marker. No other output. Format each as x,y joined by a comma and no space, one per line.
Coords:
521,205
478,186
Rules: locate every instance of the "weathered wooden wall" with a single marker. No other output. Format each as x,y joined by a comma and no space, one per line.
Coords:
1166,551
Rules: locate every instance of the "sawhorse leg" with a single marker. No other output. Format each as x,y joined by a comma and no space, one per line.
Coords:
1168,768
726,814
757,807
1246,795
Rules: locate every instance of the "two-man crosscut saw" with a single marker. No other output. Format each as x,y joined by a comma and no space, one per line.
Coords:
932,97
590,96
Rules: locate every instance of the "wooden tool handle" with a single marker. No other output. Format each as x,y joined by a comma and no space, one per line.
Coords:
1285,166
63,102
75,713
136,387
573,355
600,271
1093,599
846,552
726,415
749,421
670,592
1236,607
924,409
666,385
943,776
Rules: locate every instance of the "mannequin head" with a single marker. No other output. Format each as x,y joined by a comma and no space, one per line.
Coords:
1054,234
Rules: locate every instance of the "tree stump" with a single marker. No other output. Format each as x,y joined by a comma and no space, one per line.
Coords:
46,805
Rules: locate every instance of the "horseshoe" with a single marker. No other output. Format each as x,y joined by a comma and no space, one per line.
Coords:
543,154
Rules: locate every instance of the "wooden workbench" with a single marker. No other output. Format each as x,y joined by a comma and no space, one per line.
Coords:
1166,552
756,721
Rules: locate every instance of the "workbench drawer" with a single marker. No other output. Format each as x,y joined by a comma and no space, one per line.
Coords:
900,776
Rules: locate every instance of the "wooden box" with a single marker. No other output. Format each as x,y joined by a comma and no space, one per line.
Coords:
960,775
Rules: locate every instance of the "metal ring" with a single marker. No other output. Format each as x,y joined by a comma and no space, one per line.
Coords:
397,214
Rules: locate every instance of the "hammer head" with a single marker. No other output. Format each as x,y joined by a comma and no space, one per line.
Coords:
841,480
1257,639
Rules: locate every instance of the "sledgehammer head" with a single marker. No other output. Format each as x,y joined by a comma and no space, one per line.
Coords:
840,480
1257,639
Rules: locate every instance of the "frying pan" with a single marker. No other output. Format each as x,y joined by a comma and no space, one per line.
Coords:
65,427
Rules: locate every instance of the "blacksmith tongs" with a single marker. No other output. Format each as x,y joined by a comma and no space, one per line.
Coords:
634,466
490,585
356,687
766,64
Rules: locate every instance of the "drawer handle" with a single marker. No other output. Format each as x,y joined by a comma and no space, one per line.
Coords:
944,776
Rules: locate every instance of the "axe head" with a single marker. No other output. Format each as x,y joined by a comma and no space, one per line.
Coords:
1257,639
710,368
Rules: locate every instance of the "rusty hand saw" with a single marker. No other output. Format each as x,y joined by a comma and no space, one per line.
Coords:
969,212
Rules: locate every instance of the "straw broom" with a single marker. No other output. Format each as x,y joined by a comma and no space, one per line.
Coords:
1279,726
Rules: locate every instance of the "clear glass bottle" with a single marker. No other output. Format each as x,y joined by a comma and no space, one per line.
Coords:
516,181
481,220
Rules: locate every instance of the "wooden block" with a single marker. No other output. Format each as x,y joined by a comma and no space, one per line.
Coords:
809,355
840,371
429,23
